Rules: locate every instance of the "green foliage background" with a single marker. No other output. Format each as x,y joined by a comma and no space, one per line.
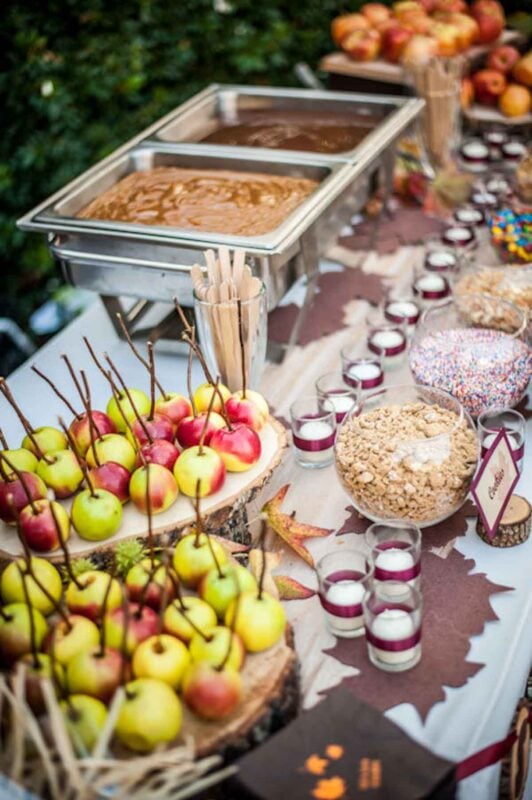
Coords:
78,77
82,76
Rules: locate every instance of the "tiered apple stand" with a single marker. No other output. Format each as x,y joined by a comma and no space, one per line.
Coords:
224,513
40,757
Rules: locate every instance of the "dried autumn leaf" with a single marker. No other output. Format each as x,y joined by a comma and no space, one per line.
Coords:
255,567
288,528
290,589
230,546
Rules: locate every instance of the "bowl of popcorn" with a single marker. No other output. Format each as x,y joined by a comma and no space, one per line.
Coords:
407,452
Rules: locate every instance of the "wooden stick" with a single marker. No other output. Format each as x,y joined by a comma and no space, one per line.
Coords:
56,391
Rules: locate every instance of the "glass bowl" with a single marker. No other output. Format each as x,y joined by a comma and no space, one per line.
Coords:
407,452
474,347
514,285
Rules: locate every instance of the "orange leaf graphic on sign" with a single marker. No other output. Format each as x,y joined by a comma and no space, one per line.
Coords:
334,751
316,765
329,789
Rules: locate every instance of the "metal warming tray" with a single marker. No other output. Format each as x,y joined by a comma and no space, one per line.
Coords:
386,117
152,262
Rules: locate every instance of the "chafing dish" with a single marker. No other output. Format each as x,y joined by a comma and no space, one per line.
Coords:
152,263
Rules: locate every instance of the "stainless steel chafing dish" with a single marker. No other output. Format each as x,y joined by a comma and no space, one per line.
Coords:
152,263
385,117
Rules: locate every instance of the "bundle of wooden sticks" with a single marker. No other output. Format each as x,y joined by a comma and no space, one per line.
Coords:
229,318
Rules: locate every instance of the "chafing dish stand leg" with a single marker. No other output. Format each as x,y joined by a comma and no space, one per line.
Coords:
309,261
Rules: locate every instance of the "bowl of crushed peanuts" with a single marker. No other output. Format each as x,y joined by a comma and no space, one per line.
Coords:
407,452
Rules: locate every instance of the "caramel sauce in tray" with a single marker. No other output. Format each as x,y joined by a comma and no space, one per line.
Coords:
213,201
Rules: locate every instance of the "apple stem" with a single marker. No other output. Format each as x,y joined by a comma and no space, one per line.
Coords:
144,593
31,572
92,425
232,626
242,347
123,643
263,562
206,423
116,395
182,610
128,395
6,391
33,640
164,600
56,391
74,377
191,341
87,404
199,523
105,602
213,554
22,480
137,354
149,345
223,409
64,548
82,465
150,513
3,440
189,375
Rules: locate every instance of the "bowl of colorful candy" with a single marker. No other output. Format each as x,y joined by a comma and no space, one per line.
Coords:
511,235
474,347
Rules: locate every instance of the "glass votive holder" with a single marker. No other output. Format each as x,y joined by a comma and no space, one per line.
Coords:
343,579
459,236
402,309
392,620
313,432
386,339
431,287
362,373
395,551
489,424
439,258
335,395
469,216
484,200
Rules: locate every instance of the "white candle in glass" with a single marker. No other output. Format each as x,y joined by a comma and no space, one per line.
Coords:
387,339
393,559
458,234
315,430
364,372
338,403
440,259
403,308
431,283
393,625
345,593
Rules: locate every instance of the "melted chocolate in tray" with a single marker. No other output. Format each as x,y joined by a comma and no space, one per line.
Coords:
294,130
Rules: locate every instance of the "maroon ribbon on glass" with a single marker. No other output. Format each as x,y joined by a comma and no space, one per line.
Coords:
431,267
394,646
388,351
397,575
341,611
313,445
410,319
433,294
459,242
364,383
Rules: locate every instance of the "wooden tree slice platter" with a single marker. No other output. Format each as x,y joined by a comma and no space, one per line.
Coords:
270,685
270,699
237,490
